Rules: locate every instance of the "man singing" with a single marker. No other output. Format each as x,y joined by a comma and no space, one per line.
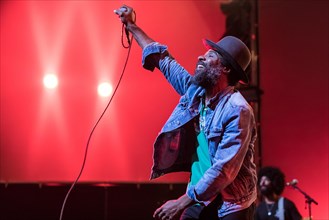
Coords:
210,133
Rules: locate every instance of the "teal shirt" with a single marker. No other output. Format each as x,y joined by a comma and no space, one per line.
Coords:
200,159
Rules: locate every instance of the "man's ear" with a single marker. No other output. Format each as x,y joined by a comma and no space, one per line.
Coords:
226,70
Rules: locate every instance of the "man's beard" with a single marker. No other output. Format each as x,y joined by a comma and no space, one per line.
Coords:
266,190
206,77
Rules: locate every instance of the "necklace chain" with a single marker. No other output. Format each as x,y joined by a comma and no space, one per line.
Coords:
203,116
269,208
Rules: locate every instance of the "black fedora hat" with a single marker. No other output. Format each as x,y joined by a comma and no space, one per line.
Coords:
234,51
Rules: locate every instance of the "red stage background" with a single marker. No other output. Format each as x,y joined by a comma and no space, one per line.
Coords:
44,132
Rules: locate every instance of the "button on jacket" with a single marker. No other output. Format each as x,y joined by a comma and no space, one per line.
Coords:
230,130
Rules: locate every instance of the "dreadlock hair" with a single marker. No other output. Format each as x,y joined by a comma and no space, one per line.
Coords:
276,176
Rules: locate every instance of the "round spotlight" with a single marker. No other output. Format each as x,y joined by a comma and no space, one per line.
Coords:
50,81
104,89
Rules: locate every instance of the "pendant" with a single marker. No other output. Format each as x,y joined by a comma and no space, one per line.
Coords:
269,213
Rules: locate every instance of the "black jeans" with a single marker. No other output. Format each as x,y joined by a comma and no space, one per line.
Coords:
210,212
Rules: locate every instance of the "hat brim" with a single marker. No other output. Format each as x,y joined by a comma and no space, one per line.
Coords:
242,74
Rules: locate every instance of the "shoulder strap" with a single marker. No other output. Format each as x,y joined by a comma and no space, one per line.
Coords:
280,212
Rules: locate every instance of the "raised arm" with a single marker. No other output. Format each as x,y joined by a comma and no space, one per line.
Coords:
155,55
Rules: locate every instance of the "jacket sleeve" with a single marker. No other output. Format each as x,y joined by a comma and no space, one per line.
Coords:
156,55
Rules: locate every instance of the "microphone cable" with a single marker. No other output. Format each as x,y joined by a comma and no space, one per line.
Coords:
101,116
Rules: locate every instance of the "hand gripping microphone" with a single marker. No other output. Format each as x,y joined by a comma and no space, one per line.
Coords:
119,12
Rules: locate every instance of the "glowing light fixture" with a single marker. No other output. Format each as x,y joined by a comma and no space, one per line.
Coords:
104,89
50,81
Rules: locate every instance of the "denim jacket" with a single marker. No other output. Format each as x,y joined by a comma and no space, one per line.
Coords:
230,130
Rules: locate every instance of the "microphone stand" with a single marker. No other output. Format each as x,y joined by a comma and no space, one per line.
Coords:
308,199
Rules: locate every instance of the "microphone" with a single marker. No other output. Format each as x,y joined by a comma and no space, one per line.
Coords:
292,182
121,10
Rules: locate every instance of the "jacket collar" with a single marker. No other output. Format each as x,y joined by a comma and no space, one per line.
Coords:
214,100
